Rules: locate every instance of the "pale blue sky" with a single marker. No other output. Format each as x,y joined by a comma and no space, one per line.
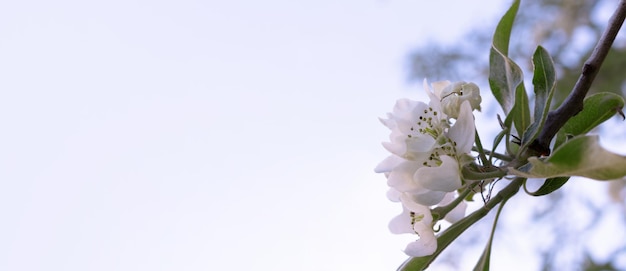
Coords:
205,135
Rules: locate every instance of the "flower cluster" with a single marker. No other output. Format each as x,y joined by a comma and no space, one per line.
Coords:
429,144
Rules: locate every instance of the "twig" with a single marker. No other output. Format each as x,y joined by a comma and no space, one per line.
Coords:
496,155
574,102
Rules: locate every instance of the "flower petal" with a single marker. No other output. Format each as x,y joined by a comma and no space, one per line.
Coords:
393,195
457,213
439,86
419,147
426,197
425,245
446,177
388,122
418,209
401,223
401,177
388,164
403,109
463,130
435,101
397,149
447,199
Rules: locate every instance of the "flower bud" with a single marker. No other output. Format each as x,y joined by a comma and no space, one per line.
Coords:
453,95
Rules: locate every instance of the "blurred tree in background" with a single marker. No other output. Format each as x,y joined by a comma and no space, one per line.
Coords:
568,29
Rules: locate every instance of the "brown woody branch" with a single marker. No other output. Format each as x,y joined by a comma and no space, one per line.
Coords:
574,102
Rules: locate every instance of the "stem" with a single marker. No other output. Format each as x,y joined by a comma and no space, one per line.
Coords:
490,173
497,155
574,102
480,150
504,194
442,211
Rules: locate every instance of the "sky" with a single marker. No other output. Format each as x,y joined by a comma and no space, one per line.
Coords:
206,135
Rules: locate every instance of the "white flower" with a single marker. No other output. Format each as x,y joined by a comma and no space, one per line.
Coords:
428,150
452,95
427,153
416,219
414,129
445,177
426,245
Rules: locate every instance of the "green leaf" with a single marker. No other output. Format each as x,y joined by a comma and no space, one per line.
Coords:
549,186
544,80
521,110
504,74
519,117
503,30
597,108
581,156
497,140
504,77
481,150
483,263
511,148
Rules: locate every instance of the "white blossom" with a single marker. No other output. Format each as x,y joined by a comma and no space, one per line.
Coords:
427,153
416,219
428,150
453,94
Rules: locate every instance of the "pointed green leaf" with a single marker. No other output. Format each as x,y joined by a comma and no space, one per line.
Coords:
503,30
480,149
511,147
504,77
504,74
597,108
497,140
521,110
549,186
580,156
544,80
483,263
519,117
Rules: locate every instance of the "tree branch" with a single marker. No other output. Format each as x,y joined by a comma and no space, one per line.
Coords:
574,102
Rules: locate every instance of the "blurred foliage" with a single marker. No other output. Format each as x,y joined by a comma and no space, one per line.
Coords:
568,29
